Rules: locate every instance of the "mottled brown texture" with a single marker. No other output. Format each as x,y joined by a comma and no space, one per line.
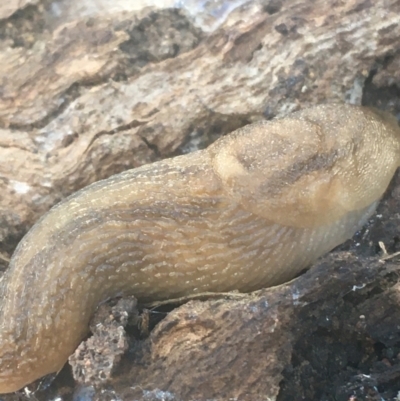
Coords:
251,211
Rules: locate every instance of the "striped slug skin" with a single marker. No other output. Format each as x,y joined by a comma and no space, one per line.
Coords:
251,211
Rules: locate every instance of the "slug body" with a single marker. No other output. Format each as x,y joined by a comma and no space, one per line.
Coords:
251,211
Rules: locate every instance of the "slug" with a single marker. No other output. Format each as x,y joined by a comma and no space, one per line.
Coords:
250,211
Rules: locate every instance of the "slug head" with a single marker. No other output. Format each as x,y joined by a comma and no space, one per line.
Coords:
311,168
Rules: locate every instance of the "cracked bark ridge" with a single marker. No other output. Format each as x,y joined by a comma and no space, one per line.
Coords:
95,359
7,9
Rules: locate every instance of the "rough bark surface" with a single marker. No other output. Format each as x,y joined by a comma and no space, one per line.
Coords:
89,92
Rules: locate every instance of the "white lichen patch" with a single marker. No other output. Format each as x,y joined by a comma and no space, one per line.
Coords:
20,187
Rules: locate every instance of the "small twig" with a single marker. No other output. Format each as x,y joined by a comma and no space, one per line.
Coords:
383,248
393,255
385,255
